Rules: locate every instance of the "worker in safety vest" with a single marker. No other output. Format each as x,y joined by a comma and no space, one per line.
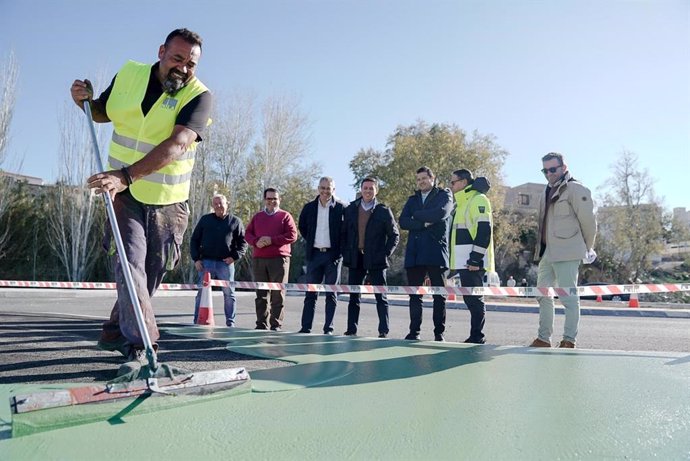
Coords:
471,243
159,113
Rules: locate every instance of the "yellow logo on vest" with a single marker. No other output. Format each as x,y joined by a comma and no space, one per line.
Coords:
169,103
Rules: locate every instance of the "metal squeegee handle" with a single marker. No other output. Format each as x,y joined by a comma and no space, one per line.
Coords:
124,263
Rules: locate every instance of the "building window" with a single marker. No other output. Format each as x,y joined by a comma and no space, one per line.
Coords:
523,199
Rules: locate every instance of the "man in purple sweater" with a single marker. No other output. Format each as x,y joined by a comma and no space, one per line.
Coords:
270,233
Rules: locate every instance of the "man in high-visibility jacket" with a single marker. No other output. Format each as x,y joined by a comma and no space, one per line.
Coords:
159,113
471,243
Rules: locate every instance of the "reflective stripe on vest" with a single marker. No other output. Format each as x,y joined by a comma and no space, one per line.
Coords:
142,147
158,178
135,135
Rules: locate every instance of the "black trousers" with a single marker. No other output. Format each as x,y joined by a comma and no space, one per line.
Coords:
376,277
475,304
437,276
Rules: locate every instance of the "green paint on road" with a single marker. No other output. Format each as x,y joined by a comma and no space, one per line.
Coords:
365,398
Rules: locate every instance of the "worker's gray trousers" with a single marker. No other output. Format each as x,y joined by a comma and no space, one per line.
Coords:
152,236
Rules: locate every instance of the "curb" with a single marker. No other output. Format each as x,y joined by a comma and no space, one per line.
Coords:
529,309
82,293
394,300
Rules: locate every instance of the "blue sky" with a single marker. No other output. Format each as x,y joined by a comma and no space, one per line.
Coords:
585,78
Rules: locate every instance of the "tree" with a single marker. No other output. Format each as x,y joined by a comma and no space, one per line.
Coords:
72,225
280,154
514,237
630,221
9,71
242,155
232,142
27,255
442,147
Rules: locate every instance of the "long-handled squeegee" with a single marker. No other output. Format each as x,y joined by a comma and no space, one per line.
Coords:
150,379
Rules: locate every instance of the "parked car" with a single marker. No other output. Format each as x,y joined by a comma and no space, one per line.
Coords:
605,297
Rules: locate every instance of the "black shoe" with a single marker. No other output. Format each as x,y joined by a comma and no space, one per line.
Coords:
350,333
439,338
137,355
475,341
304,330
329,333
276,329
260,328
412,337
383,335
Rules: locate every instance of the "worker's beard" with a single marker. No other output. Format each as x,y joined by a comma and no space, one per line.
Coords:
174,82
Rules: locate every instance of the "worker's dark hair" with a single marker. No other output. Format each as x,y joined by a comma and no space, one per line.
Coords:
186,35
427,170
271,189
370,179
465,174
551,156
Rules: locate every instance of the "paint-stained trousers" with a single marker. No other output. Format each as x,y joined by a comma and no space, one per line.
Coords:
152,235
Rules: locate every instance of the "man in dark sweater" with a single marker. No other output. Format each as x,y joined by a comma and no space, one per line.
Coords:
216,243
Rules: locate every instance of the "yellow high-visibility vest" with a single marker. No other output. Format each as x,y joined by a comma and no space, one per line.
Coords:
135,135
471,208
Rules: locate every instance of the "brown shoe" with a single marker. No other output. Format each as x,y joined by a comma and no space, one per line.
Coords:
566,344
539,343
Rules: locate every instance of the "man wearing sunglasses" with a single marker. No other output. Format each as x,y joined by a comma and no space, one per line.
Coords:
567,228
471,243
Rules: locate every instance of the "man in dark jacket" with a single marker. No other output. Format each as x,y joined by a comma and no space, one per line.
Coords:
369,238
426,215
216,243
320,224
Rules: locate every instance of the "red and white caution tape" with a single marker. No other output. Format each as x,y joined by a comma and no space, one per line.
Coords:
594,290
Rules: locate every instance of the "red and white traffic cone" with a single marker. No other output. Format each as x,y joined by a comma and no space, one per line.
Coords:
633,300
599,298
205,315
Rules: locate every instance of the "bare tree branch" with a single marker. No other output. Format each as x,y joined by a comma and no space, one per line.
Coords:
630,222
71,222
9,72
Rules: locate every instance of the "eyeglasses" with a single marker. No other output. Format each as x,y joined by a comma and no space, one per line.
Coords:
553,169
270,199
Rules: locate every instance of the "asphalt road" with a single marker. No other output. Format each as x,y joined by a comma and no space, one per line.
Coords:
49,336
502,328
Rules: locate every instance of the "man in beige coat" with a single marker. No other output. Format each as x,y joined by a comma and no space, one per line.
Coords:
566,232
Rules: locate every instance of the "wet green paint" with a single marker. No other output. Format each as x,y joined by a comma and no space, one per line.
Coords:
362,398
